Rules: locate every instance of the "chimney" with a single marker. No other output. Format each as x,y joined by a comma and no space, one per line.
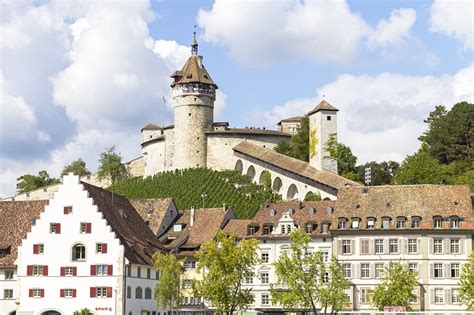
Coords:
191,217
224,206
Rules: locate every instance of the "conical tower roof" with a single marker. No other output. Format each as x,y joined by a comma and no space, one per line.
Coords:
323,105
193,72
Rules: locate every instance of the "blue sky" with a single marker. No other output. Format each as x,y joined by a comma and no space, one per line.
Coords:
80,76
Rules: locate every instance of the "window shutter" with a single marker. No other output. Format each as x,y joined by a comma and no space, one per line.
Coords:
461,246
61,291
109,292
420,270
405,246
35,249
432,296
45,270
339,247
361,241
63,271
109,270
352,247
42,293
30,292
355,271
104,248
93,270
74,292
447,271
431,245
372,271
92,292
385,246
371,246
431,271
74,271
29,270
58,228
88,228
418,247
446,247
447,296
66,211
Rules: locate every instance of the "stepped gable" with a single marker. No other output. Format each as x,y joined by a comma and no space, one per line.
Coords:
424,201
16,219
151,126
152,211
193,71
293,165
323,105
138,240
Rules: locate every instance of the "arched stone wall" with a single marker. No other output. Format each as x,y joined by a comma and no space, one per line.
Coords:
292,192
251,172
239,166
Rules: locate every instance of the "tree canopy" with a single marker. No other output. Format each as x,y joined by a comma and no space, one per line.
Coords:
381,173
78,167
30,182
346,161
298,146
332,291
168,291
111,167
466,282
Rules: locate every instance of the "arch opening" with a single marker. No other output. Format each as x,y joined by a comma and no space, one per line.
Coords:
239,166
50,313
251,172
277,184
292,192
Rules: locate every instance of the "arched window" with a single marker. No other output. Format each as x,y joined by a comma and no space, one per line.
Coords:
273,212
138,293
454,222
78,252
437,222
147,294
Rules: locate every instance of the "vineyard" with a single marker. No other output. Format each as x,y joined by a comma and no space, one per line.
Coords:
188,187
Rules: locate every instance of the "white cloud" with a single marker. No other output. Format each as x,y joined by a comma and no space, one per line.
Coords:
171,52
382,116
454,18
394,30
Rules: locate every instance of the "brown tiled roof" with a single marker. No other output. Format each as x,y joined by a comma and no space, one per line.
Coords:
138,240
252,131
425,201
15,222
323,105
238,227
220,123
291,119
152,211
193,72
292,165
151,126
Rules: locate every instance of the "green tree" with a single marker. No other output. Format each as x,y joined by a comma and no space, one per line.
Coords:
450,134
346,161
420,168
227,263
84,311
111,167
78,167
298,274
396,289
266,180
168,291
30,182
331,292
311,196
381,173
298,146
466,283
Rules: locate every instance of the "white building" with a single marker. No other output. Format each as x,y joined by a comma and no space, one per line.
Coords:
89,249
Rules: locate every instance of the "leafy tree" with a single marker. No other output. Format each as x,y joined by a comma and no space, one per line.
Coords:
331,292
267,180
30,182
227,264
311,196
381,173
420,168
298,146
84,311
111,167
396,289
168,291
78,167
466,282
346,161
298,274
450,134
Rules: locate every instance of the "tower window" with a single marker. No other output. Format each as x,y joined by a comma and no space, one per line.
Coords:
189,114
328,117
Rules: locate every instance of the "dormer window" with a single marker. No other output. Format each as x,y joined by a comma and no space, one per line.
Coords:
251,230
273,212
437,222
312,210
325,228
283,229
267,229
341,225
385,223
401,223
415,222
454,222
177,228
330,210
370,223
355,224
310,227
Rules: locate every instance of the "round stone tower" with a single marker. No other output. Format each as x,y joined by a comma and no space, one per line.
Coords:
194,94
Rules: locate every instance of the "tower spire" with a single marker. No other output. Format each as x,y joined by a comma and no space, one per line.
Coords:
194,45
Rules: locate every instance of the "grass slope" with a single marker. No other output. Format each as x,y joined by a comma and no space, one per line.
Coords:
187,186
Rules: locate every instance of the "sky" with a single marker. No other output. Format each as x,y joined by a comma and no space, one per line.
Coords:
77,77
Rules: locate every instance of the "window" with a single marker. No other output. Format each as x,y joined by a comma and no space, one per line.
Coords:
341,224
454,222
148,273
186,283
438,270
415,222
378,246
267,229
412,246
385,223
265,299
69,271
85,228
312,210
129,292
346,246
413,268
9,274
37,293
288,228
355,224
325,228
139,272
455,298
437,222
129,270
78,252
309,228
54,228
147,294
265,257
454,246
328,117
370,223
437,246
264,277
101,248
325,277
273,212
414,298
454,270
8,294
347,270
364,295
283,231
68,210
189,265
101,270
379,269
438,295
249,279
68,293
138,293
364,246
325,256
101,292
400,223
393,246
38,270
364,271
251,230
38,249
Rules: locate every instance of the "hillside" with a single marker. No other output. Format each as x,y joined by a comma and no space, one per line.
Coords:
187,187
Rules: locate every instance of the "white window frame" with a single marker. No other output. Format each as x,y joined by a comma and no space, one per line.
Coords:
101,292
413,267
455,245
438,270
9,274
346,244
379,246
68,271
37,270
265,257
8,294
68,293
364,270
379,270
438,296
347,270
101,270
265,299
370,223
437,245
264,277
36,293
456,269
412,246
455,297
393,246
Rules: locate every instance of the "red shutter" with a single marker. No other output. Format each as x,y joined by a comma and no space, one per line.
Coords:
92,291
93,270
66,210
61,291
74,271
74,292
30,292
109,292
58,228
109,270
88,228
104,248
35,249
42,293
63,271
29,270
45,270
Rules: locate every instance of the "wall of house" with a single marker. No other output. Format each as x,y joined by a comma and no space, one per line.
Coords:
145,279
7,305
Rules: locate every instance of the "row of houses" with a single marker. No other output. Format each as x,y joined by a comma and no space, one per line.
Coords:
87,247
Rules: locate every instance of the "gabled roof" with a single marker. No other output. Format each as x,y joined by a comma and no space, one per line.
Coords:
323,105
293,165
193,72
16,218
290,119
138,240
152,211
151,126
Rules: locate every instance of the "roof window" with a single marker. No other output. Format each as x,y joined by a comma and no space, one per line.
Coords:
355,224
312,210
370,223
437,222
273,212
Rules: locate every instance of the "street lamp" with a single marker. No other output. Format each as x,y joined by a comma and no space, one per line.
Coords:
203,196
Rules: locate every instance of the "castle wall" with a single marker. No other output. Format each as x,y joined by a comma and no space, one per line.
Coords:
290,127
150,134
154,154
322,125
169,148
